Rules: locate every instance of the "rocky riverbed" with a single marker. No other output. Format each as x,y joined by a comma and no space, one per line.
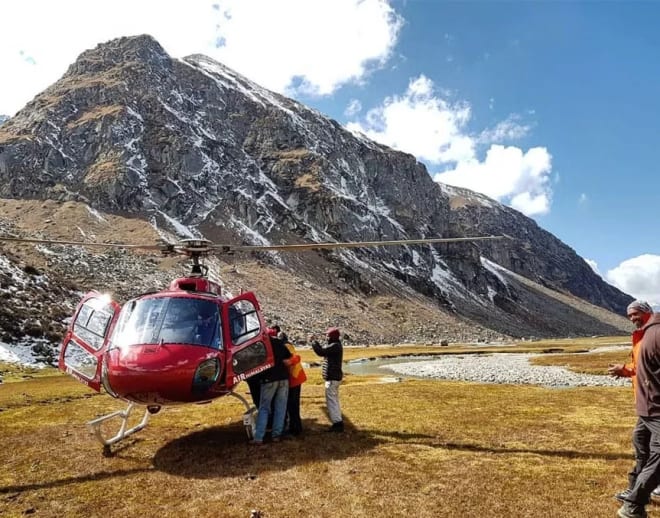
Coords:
512,368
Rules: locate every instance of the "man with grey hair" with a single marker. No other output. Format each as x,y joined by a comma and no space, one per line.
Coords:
639,306
645,476
639,312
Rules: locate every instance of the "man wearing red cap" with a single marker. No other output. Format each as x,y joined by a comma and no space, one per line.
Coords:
332,353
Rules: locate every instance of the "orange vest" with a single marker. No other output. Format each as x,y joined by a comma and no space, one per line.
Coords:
630,368
297,374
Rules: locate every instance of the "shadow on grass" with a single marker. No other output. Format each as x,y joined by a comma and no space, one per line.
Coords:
433,442
102,475
223,451
569,454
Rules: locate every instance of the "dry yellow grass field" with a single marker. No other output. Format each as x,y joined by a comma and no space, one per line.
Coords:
415,448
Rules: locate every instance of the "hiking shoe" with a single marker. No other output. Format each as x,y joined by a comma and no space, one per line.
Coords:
622,495
629,510
337,427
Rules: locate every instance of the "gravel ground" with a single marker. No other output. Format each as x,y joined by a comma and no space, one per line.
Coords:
502,368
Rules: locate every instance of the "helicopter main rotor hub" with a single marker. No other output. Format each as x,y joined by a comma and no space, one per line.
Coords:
190,247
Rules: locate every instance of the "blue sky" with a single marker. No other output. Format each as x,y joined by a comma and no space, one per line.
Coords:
549,107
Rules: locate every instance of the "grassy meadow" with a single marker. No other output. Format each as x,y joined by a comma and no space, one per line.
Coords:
415,448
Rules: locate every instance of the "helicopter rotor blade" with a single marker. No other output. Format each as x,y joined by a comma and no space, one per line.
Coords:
79,243
202,247
304,247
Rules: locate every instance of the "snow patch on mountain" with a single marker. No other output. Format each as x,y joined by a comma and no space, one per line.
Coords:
179,228
475,197
495,269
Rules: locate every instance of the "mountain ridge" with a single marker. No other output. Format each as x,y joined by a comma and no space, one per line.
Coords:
192,146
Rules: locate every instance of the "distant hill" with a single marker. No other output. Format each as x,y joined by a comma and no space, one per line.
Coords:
189,148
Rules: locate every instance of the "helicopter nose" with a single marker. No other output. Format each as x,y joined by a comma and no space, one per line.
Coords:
173,374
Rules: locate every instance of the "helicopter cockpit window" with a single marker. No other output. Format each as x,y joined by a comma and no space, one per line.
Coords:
92,322
243,321
192,321
169,320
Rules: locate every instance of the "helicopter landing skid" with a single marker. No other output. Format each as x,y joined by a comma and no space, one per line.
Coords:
249,417
95,425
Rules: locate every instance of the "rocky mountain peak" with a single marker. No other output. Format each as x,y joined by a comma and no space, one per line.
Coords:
143,50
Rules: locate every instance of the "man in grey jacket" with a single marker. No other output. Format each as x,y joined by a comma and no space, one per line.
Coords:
332,353
639,312
647,405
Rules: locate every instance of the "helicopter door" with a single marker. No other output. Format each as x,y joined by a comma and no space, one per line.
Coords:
87,337
249,350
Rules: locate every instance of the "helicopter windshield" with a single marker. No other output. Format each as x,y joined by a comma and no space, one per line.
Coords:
172,320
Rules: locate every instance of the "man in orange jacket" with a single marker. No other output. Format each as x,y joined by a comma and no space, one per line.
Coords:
297,377
639,312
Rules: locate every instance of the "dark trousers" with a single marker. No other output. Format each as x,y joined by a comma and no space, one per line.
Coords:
641,439
649,475
255,389
293,410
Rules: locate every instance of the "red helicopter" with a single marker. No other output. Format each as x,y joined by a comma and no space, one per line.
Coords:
185,344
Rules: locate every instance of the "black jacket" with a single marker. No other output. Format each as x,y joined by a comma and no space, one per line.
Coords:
279,371
333,354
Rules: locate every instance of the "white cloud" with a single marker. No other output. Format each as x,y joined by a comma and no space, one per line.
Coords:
509,175
508,129
287,46
354,107
435,131
39,39
420,123
319,45
639,277
531,203
594,265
